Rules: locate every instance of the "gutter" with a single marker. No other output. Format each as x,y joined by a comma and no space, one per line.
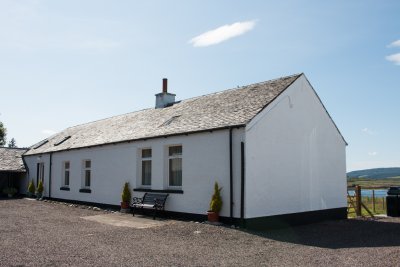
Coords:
230,175
242,176
51,163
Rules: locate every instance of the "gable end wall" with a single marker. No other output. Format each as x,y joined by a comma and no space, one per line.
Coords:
295,157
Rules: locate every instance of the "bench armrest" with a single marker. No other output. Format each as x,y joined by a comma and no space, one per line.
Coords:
158,203
137,200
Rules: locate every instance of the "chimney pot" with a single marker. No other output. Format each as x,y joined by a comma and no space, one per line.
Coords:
165,85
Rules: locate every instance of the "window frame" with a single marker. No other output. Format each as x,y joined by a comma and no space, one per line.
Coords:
84,169
64,172
143,159
169,157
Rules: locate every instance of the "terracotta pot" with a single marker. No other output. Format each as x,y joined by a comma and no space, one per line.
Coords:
124,205
212,216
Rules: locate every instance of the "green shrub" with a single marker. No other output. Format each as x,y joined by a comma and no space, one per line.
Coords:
10,191
31,187
40,188
126,193
216,200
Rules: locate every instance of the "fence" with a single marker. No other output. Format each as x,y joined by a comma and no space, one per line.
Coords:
359,205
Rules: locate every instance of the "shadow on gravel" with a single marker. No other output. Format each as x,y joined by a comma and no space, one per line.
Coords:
352,233
12,198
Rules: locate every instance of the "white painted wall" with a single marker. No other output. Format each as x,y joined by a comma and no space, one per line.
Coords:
205,160
31,162
295,157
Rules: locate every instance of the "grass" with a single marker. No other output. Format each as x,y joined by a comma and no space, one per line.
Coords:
377,183
380,206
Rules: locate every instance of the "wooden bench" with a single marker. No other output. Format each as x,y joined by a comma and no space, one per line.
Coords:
149,201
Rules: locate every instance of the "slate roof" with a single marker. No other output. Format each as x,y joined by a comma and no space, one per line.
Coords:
233,107
11,159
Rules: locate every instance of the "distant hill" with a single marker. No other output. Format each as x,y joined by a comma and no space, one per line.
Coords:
378,173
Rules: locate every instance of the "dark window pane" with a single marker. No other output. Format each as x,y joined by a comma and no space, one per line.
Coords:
88,164
146,153
175,150
175,172
41,173
66,180
67,165
146,172
87,178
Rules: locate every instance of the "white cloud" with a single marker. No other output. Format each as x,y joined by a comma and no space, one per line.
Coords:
374,153
222,33
395,58
368,131
395,44
48,132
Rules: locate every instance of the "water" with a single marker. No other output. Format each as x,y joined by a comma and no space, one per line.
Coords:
368,192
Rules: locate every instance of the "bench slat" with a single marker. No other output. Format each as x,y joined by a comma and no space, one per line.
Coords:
144,205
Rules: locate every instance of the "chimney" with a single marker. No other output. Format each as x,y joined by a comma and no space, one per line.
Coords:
164,99
164,85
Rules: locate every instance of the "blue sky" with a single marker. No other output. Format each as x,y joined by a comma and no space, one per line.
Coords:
64,63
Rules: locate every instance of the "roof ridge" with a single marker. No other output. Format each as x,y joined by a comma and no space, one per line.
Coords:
241,87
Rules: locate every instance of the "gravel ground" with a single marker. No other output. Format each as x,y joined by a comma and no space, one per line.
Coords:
34,233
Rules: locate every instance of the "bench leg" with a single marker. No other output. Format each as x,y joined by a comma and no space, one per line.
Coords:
133,211
154,214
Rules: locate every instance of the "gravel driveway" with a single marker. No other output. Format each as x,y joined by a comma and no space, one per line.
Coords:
34,233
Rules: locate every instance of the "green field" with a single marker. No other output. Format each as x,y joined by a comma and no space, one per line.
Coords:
377,183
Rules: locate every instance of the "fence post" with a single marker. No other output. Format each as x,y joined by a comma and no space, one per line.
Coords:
383,203
373,200
358,200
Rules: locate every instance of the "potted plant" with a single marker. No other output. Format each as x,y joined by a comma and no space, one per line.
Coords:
31,189
126,198
215,204
10,191
39,190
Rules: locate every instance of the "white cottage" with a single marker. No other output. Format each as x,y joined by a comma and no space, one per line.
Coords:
272,146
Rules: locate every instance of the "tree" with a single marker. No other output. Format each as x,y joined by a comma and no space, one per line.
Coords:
216,200
12,143
3,134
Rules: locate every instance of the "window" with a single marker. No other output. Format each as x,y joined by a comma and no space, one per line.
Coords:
169,121
146,167
175,166
41,144
87,165
39,172
62,140
66,173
